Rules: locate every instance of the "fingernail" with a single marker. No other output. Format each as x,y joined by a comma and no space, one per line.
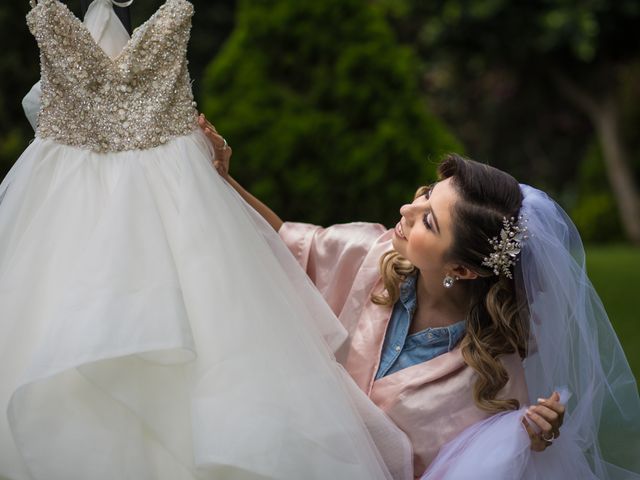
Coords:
542,400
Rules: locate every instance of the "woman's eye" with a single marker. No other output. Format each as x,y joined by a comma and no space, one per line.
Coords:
428,193
425,220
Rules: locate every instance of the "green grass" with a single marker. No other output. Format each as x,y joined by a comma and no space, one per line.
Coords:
615,273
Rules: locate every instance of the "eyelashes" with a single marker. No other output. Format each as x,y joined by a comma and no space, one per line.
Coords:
425,220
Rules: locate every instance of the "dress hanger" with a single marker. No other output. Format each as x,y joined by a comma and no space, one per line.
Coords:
121,8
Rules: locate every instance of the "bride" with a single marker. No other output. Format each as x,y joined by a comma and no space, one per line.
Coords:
459,318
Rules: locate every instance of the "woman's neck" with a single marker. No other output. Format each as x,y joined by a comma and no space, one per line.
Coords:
438,306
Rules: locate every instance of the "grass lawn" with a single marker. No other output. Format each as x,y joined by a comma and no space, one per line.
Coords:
615,273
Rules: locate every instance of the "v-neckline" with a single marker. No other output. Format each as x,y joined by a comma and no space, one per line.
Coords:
115,60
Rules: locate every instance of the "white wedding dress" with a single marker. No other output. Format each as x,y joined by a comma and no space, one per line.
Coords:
153,326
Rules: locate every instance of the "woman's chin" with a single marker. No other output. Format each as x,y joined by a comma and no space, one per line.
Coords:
398,243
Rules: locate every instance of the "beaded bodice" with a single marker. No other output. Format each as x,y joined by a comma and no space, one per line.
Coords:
137,100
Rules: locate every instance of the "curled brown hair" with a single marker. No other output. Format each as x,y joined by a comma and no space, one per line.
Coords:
495,325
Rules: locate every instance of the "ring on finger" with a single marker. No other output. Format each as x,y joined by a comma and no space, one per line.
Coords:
547,437
226,145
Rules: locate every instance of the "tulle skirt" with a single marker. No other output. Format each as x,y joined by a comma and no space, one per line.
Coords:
154,327
500,449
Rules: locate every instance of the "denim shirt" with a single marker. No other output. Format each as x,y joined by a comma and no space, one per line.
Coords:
401,350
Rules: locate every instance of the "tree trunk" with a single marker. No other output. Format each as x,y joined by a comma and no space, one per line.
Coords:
604,117
619,171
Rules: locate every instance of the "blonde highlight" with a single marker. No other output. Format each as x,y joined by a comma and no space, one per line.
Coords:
493,330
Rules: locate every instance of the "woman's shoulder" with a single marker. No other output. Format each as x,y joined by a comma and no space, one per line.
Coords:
359,232
353,235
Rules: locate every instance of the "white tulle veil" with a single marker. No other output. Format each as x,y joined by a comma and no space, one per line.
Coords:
573,344
573,349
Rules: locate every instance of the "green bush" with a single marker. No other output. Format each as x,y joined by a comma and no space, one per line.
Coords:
322,108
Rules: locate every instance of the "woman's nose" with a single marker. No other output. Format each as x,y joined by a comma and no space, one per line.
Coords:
407,211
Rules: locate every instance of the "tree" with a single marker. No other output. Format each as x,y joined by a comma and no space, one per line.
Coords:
574,53
323,110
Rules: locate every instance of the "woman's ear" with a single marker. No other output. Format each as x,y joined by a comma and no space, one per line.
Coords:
463,273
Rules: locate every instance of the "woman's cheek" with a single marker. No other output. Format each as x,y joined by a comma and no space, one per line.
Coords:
418,249
417,241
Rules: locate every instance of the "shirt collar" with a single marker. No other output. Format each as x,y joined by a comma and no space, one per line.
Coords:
408,297
456,332
408,292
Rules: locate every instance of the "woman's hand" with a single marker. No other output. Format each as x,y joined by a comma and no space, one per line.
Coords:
543,421
221,149
222,155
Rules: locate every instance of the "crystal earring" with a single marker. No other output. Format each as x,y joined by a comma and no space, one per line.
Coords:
448,281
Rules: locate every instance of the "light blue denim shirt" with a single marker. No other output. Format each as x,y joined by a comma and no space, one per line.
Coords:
401,350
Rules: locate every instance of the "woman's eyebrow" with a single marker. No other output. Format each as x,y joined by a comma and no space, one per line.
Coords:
435,219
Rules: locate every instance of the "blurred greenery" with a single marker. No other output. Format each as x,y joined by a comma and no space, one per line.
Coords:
323,109
594,209
615,273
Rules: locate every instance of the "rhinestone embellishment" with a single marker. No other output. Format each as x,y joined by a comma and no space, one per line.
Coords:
507,246
138,100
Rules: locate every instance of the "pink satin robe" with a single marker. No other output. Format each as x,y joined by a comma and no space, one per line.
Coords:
431,402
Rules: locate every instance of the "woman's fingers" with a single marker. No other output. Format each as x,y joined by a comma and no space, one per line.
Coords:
553,402
543,421
545,427
547,413
222,151
546,419
538,444
552,410
220,168
204,123
211,132
216,139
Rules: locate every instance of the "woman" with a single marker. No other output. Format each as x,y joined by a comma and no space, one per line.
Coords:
452,257
437,340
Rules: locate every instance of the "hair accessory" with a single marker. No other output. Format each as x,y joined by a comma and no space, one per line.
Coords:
507,247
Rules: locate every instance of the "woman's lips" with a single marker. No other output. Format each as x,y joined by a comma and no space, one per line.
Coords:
399,232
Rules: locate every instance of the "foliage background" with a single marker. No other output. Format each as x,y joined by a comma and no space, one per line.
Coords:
338,109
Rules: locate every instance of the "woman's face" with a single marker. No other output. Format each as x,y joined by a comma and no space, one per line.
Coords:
424,233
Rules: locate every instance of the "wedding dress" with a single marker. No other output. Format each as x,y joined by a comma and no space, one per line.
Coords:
153,326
